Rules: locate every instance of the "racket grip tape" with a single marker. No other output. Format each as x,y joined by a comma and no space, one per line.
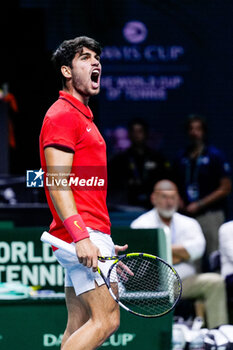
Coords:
58,243
46,237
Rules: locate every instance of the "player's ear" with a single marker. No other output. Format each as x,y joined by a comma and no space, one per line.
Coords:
66,71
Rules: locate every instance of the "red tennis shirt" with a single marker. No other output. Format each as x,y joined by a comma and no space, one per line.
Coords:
69,124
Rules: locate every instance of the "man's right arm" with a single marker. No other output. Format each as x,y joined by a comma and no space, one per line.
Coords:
59,161
179,254
191,238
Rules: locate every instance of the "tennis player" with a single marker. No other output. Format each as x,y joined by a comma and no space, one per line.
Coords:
71,144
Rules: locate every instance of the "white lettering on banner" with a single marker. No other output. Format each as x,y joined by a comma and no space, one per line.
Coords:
31,254
151,53
15,260
60,275
52,340
140,87
155,58
18,252
47,253
159,53
5,253
30,276
12,273
22,252
120,339
33,275
168,82
48,275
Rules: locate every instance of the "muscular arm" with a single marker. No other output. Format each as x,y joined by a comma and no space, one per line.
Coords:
59,161
179,254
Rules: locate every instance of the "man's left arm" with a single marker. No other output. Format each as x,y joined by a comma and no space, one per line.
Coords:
221,192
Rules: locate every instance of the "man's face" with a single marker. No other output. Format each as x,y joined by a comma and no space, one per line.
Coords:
166,201
86,72
195,131
138,134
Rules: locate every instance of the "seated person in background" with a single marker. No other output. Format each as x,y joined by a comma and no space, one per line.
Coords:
188,244
226,255
202,175
132,173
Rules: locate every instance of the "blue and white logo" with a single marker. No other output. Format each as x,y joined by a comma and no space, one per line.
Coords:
35,178
135,32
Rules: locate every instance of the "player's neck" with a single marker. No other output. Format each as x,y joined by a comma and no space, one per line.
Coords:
77,95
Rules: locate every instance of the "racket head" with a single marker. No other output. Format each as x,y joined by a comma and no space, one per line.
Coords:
147,286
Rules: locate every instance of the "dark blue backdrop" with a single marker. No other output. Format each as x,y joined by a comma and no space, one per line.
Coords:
184,61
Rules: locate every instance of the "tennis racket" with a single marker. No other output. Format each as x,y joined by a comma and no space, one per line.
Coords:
142,284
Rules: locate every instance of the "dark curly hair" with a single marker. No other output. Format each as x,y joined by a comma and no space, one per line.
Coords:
66,52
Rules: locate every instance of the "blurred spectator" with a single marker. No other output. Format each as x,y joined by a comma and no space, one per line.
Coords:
188,244
226,255
117,139
10,99
133,172
8,196
12,111
202,175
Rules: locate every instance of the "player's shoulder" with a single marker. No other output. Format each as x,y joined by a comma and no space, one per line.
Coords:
58,110
62,114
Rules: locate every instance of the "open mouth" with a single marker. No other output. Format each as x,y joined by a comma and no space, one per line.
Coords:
95,78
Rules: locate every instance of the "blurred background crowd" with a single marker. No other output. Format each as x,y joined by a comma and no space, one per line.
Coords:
165,107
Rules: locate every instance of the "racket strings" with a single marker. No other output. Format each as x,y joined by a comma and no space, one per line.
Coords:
146,285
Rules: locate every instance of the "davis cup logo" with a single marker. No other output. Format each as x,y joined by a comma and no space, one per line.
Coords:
135,32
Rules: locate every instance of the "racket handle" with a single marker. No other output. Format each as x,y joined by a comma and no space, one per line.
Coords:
58,243
46,237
